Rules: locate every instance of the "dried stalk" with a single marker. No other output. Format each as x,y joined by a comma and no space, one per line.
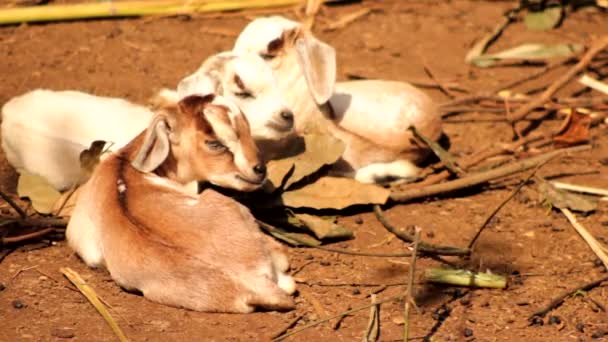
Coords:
481,177
580,188
523,111
465,278
34,235
14,205
560,299
90,294
410,288
422,246
596,247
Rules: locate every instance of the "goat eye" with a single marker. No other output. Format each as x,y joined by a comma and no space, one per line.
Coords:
267,56
215,145
245,95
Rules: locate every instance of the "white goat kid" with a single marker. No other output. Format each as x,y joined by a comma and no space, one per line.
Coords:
202,252
44,131
372,117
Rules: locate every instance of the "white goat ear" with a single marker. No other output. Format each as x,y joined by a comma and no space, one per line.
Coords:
155,148
198,83
318,63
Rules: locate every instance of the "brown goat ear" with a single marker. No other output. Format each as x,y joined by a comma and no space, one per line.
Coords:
318,63
193,104
155,148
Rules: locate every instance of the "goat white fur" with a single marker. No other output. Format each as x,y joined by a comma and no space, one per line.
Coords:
372,117
44,131
202,252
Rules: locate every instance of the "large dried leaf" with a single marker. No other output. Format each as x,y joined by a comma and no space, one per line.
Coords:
545,19
575,129
335,193
42,195
527,52
320,150
563,199
482,45
322,228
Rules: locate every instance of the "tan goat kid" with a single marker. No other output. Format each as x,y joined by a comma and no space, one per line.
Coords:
202,252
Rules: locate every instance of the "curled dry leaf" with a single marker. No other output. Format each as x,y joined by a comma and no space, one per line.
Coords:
322,228
42,195
574,130
320,150
334,193
527,52
563,199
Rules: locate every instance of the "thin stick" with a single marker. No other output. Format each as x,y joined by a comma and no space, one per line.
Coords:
14,205
481,177
423,246
500,205
589,239
34,235
275,231
580,188
90,294
523,111
560,299
344,313
29,222
287,327
410,289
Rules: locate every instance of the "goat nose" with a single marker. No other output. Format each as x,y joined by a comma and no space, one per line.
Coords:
287,115
260,170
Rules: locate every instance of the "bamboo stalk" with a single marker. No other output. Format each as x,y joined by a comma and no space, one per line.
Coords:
129,9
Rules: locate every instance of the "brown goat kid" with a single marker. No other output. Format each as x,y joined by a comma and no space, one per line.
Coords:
202,252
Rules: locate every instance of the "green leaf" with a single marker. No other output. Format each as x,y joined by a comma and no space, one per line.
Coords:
334,193
528,52
42,195
543,20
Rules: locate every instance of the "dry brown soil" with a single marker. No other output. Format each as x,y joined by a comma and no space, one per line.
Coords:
536,248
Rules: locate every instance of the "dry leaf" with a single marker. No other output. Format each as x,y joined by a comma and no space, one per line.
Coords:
335,193
322,228
42,195
563,199
320,150
574,130
89,158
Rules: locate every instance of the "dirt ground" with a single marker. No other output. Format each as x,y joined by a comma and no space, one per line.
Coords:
538,249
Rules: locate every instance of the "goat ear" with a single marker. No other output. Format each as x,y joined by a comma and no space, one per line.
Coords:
199,83
318,62
155,148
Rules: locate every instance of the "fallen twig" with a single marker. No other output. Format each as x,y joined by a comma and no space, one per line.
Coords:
596,247
346,19
481,177
422,246
373,326
580,188
523,111
410,288
287,327
560,299
14,205
34,235
594,84
347,312
90,294
502,204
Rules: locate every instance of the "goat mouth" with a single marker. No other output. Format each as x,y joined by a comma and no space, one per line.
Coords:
281,127
256,182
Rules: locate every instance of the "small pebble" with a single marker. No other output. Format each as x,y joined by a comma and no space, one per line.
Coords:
356,291
557,229
554,320
359,220
598,334
604,223
465,300
18,304
598,263
2,287
430,234
63,332
537,321
325,263
468,332
580,327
